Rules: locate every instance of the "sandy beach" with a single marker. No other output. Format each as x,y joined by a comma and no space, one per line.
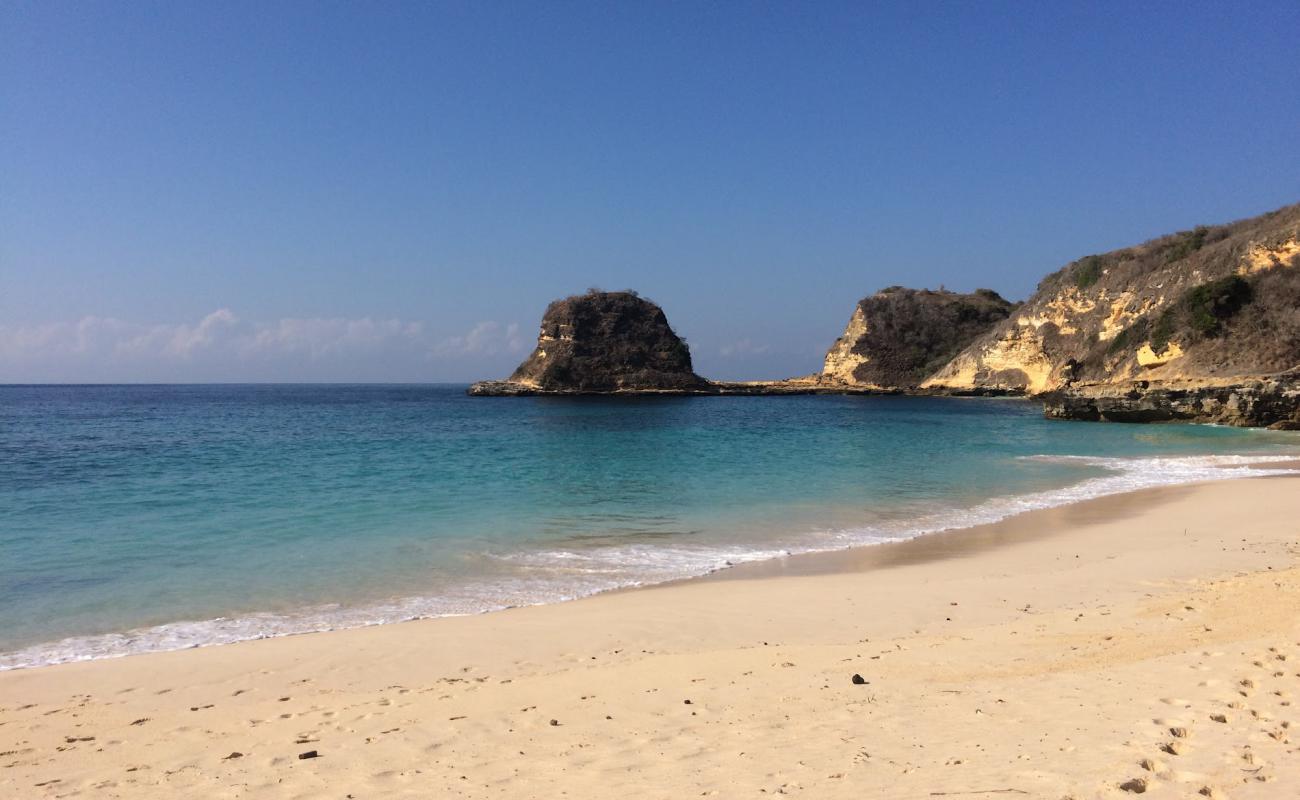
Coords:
1147,642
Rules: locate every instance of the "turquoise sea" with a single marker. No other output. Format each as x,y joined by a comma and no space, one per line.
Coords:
138,518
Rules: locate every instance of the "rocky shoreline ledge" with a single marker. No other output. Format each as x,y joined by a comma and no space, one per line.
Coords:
706,389
1272,403
791,386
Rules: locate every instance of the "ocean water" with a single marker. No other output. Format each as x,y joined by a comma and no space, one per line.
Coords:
138,518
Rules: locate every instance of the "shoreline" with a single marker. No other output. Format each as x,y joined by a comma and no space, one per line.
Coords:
962,542
818,558
982,519
978,659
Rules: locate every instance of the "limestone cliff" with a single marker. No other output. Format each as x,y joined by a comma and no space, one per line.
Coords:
898,336
602,342
1213,306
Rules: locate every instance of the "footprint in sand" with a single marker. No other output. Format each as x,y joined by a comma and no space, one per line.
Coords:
1179,729
1183,776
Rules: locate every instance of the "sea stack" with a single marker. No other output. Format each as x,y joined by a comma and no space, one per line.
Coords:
897,337
602,343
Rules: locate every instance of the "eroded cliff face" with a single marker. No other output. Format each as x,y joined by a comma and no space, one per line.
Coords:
1212,306
898,336
602,342
841,361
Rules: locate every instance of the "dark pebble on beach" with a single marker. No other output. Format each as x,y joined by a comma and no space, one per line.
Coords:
308,754
235,754
858,680
555,723
686,702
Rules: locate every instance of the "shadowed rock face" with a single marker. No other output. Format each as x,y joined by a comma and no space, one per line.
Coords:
605,342
898,337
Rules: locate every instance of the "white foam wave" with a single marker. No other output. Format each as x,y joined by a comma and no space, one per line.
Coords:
557,575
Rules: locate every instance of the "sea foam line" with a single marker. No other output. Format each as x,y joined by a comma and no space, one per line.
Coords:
560,575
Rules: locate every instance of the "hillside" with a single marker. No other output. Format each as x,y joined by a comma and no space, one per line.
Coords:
1209,306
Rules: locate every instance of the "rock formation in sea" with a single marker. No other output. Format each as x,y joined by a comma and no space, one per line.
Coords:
600,343
1215,306
897,337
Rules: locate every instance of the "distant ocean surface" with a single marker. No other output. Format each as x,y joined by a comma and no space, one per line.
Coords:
139,518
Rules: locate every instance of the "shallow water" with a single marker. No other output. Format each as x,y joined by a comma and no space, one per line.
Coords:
138,518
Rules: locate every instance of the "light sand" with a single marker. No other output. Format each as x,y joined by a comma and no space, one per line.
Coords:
1150,639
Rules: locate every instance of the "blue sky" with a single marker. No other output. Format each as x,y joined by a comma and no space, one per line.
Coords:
386,191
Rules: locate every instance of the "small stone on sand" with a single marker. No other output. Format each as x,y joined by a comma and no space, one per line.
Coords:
1136,786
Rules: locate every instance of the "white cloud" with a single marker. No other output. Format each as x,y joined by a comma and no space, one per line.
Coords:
486,338
168,341
222,346
320,338
744,347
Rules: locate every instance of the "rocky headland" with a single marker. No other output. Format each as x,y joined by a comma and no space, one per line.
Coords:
1215,304
1201,325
